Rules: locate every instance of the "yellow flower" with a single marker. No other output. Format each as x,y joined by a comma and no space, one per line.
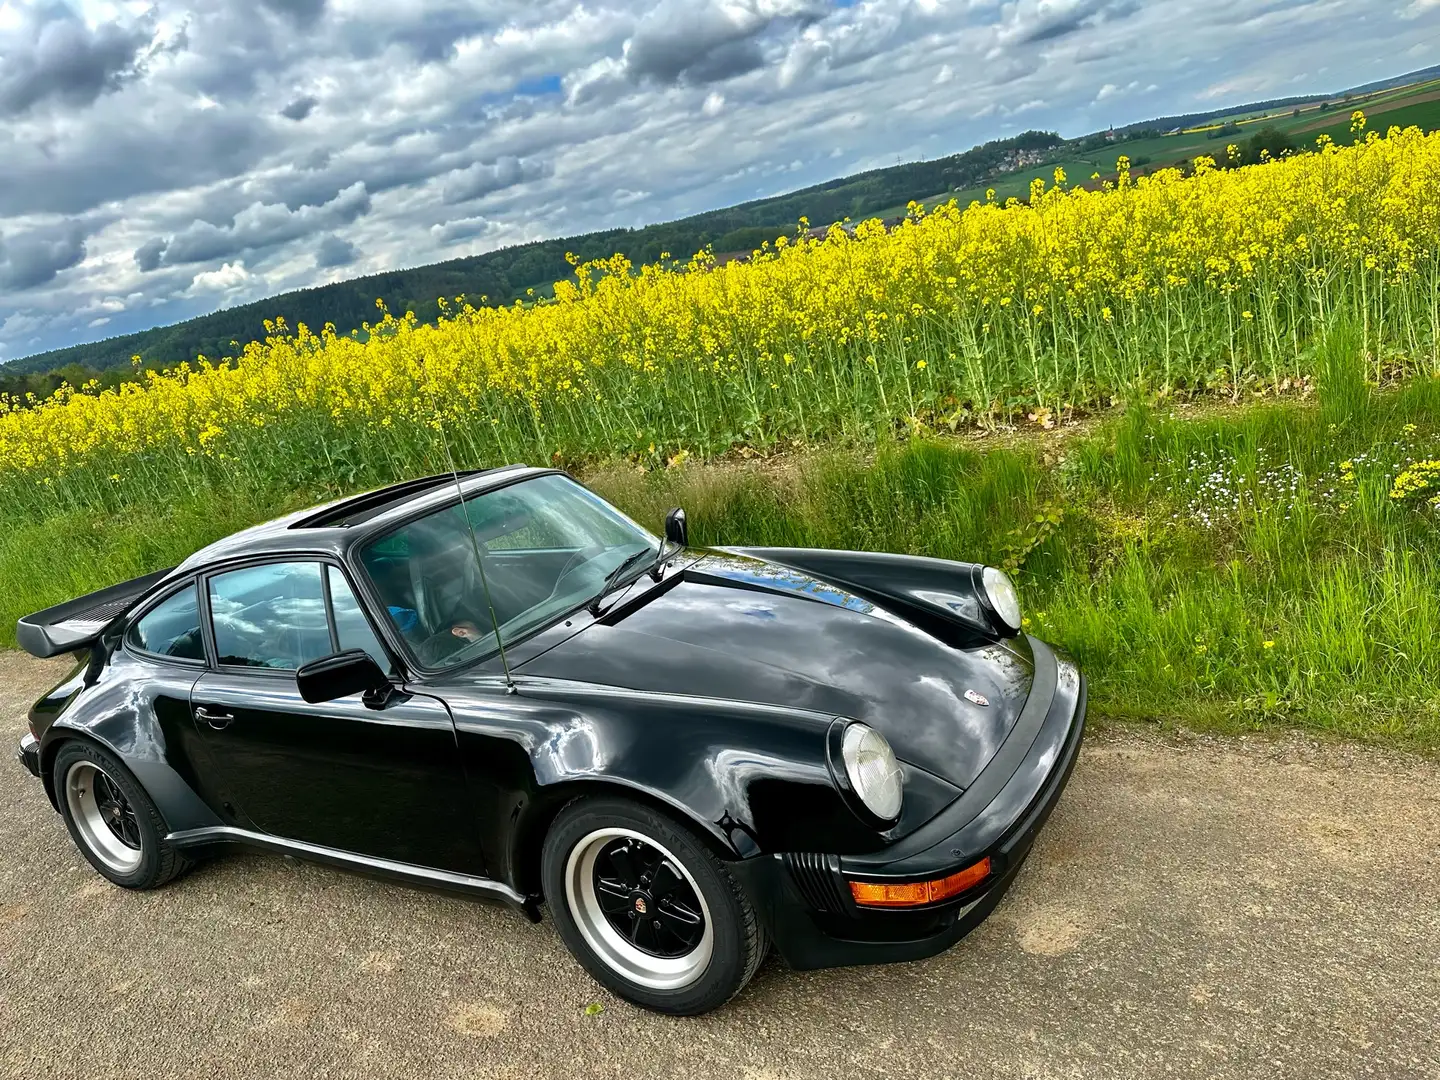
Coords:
811,335
1417,479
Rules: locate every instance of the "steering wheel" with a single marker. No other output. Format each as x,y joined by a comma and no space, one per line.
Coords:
440,646
589,551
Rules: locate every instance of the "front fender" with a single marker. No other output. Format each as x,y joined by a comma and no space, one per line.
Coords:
752,778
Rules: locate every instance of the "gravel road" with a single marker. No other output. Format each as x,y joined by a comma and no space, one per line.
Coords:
1195,908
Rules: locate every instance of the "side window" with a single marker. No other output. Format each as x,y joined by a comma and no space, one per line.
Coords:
352,629
270,616
171,628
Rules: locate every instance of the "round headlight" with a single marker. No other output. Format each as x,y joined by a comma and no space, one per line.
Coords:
873,771
1004,601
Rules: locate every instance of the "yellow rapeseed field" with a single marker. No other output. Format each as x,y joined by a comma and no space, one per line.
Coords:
1217,280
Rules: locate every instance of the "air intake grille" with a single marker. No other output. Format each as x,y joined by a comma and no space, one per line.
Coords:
102,614
819,881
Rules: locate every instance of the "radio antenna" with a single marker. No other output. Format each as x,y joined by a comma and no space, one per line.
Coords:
510,687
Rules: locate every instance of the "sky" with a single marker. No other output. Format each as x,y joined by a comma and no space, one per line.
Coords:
162,160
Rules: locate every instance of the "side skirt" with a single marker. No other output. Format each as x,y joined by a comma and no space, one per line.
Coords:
348,860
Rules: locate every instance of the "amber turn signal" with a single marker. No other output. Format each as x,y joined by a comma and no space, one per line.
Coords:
915,893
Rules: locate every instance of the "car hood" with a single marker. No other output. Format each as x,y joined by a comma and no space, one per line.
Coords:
742,628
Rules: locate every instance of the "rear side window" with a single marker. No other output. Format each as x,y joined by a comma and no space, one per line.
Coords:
171,628
270,616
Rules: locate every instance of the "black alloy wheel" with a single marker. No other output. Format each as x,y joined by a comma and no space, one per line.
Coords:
648,899
647,907
112,820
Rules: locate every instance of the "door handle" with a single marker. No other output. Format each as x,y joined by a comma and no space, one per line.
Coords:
217,720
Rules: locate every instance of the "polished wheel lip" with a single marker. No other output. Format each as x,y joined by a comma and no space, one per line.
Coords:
620,955
101,814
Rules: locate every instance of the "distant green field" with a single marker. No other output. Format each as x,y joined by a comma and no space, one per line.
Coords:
1398,107
1424,114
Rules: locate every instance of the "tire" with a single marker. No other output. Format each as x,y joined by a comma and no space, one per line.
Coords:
598,843
112,821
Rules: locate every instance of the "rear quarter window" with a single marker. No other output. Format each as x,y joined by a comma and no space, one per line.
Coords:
171,628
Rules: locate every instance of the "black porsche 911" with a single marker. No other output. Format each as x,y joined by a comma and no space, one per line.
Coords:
498,683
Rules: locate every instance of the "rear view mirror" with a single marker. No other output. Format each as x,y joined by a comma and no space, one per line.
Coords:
353,671
675,530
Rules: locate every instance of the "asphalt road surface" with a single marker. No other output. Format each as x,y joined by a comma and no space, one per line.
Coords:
1195,908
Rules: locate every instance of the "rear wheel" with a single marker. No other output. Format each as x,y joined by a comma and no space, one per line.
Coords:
112,820
647,908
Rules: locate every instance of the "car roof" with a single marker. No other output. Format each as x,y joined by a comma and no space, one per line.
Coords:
333,528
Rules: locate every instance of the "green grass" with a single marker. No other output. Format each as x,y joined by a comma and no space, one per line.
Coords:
64,556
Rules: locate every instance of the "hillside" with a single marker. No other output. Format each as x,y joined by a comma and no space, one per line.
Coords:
507,274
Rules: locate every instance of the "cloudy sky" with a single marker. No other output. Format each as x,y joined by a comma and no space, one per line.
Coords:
163,159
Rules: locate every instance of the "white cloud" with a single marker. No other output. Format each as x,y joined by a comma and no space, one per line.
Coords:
258,226
159,158
34,257
229,277
469,228
1110,90
49,55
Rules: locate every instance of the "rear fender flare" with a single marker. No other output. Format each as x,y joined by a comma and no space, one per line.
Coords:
180,807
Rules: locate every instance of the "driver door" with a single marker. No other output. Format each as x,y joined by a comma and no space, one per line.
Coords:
385,783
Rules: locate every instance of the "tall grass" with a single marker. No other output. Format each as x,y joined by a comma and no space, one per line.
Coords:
1253,565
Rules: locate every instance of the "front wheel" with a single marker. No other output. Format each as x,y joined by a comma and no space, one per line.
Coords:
112,820
645,906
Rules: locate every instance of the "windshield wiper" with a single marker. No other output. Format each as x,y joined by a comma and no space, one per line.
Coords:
614,575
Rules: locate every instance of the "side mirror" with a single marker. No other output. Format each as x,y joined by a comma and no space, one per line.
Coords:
675,530
353,671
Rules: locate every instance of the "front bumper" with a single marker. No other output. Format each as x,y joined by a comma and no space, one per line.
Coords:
29,754
805,900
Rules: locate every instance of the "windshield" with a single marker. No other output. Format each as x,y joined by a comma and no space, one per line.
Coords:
547,544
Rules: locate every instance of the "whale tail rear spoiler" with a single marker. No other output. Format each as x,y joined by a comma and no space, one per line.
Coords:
77,624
